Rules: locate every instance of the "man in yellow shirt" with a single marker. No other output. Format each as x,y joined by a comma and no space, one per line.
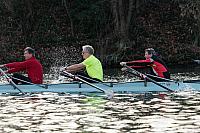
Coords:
91,64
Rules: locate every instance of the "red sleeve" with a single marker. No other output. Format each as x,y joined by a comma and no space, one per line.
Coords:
140,63
14,70
137,66
16,66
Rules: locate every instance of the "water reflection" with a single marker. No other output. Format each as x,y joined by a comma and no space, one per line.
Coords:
51,112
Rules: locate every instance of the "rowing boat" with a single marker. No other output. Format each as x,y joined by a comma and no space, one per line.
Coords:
124,87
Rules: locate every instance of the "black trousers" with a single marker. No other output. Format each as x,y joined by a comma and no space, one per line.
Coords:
86,77
19,79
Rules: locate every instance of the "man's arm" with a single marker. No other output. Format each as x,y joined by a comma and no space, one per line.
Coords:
75,67
12,68
140,63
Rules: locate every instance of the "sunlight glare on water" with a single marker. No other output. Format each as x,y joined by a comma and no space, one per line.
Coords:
51,112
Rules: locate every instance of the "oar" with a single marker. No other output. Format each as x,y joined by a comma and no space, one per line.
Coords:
192,81
176,81
43,86
109,93
11,82
164,79
96,81
131,70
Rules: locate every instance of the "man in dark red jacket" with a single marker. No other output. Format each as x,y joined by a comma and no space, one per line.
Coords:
31,65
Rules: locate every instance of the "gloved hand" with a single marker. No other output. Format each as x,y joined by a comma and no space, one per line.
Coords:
122,63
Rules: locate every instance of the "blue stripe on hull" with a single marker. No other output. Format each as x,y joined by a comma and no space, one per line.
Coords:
128,87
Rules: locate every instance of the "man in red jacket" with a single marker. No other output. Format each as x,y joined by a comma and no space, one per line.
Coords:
152,61
31,66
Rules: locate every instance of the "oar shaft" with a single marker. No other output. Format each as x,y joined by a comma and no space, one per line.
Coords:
76,77
29,82
90,84
94,80
11,82
161,78
131,70
159,84
21,80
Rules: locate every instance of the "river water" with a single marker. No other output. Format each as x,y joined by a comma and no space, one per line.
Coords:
57,113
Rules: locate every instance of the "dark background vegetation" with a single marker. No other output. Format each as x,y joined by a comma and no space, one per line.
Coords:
119,30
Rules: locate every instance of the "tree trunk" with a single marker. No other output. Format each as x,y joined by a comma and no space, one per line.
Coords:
69,16
27,19
130,13
122,12
122,15
9,6
115,14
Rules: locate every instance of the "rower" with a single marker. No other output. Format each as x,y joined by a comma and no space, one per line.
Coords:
31,65
91,66
152,61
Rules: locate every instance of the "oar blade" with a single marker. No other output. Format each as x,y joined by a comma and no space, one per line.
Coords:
109,94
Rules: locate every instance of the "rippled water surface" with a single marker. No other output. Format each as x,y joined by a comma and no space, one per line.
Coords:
57,113
49,112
